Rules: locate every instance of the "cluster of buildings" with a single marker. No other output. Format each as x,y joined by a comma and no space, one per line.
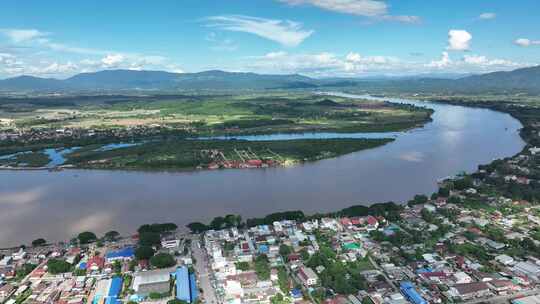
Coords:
104,274
247,160
28,135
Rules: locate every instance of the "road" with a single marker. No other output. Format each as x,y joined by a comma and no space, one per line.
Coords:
505,299
201,266
376,265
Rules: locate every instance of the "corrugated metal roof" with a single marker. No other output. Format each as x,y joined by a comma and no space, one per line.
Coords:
182,284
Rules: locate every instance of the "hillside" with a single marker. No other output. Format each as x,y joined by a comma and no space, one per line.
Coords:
520,80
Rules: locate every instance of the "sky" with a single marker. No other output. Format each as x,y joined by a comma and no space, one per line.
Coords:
318,38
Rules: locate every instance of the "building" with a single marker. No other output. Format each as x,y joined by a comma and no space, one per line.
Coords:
462,278
528,269
95,263
308,276
183,292
6,291
469,290
125,254
410,293
151,281
527,300
170,241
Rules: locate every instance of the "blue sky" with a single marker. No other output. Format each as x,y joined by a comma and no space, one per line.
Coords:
320,38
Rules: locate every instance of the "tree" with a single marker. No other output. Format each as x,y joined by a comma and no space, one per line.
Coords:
284,250
262,267
244,266
56,266
117,266
144,253
86,237
444,192
197,227
111,236
283,280
162,260
176,301
39,242
149,239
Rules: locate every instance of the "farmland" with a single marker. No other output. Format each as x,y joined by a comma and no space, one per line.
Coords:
279,112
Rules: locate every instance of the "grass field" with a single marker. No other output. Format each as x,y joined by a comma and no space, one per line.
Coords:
216,115
190,154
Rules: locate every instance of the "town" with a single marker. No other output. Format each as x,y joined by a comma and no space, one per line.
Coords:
461,245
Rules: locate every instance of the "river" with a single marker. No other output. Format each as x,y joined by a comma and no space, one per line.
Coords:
58,205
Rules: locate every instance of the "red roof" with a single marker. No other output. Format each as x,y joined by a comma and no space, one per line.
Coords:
436,274
356,221
96,261
255,162
371,220
346,221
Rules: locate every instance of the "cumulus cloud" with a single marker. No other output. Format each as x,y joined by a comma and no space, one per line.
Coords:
443,62
487,16
320,64
472,63
377,9
113,60
524,42
285,32
459,40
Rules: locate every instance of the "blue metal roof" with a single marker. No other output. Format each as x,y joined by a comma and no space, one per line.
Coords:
408,290
83,265
127,252
114,290
182,284
193,287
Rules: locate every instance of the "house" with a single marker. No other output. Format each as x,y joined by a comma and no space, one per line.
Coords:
6,291
95,263
504,259
308,276
462,278
501,286
528,269
469,291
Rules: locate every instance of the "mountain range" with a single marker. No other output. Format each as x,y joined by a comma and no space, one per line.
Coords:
520,80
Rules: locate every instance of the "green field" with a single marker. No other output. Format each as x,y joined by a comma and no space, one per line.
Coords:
258,113
190,154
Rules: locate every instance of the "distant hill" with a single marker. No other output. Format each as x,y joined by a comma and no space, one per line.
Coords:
527,79
522,80
156,80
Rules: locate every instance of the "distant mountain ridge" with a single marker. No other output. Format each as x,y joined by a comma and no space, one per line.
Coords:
525,79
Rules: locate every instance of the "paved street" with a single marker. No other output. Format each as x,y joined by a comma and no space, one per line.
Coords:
202,270
506,298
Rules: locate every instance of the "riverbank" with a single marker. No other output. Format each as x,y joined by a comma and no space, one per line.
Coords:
459,139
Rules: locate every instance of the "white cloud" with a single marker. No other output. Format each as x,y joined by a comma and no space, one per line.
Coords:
285,32
112,60
320,64
487,16
524,42
221,44
441,63
402,19
22,35
368,8
459,40
483,61
377,9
